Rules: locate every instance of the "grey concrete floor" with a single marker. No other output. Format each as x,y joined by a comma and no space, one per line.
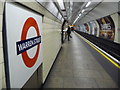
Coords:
76,67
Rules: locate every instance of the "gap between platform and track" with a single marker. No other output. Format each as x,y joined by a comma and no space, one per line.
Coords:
102,52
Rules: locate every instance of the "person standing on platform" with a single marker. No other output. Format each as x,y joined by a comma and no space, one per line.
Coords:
69,32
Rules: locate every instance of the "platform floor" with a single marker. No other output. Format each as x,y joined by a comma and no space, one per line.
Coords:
76,67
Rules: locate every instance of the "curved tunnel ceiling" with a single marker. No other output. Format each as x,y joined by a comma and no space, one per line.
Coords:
103,9
77,12
94,11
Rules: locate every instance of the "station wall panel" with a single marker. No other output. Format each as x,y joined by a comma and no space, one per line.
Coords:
2,71
51,43
51,40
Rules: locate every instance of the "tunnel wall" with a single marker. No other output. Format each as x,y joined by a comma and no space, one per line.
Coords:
98,29
2,72
51,43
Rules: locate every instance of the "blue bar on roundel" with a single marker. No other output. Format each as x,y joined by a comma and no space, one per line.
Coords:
25,45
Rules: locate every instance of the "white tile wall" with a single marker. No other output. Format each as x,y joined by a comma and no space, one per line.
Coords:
1,8
51,43
1,55
1,70
1,23
0,84
2,74
1,44
3,83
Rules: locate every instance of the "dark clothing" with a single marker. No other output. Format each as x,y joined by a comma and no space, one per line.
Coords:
69,32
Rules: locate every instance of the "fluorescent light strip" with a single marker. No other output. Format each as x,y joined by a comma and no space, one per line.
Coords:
88,4
60,2
80,14
76,19
83,10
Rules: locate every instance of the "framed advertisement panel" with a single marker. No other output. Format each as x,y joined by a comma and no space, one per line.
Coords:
24,44
107,28
93,28
86,27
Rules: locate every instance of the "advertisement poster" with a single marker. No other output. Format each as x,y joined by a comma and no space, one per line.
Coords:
107,28
82,28
93,28
24,44
86,27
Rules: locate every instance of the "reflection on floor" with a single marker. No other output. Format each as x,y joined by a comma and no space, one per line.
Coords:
76,67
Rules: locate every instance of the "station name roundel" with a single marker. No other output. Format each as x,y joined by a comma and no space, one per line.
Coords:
25,44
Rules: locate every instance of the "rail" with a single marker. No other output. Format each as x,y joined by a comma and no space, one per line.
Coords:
109,46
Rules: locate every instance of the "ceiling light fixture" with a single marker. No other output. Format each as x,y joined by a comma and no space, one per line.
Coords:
88,4
76,20
83,10
79,14
61,4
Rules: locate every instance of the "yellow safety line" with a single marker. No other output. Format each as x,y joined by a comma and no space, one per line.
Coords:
116,64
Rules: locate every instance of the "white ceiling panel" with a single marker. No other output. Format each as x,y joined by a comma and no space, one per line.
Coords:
103,9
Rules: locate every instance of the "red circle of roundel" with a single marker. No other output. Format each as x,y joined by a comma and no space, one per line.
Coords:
30,22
